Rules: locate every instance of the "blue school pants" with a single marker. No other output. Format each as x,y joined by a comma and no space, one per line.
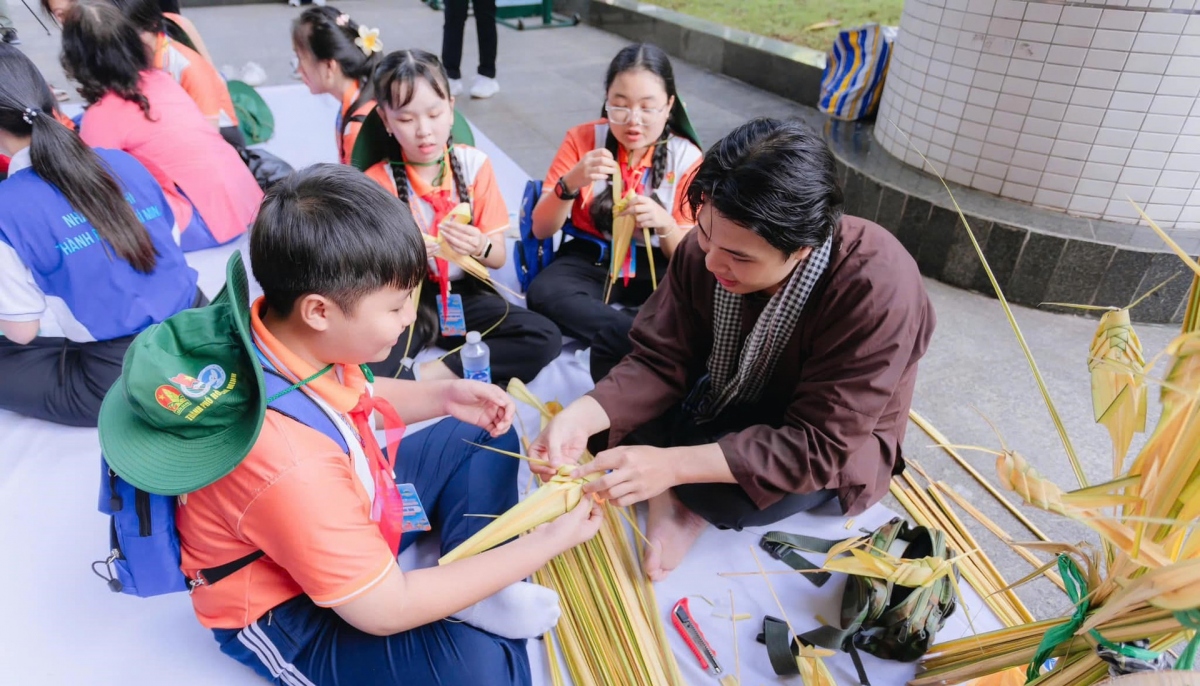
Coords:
300,644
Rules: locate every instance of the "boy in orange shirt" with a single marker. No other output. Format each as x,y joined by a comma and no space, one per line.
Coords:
337,258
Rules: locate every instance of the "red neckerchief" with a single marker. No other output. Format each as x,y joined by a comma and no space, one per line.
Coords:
388,506
439,199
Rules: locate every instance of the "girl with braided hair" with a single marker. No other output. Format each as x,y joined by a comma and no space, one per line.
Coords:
335,60
88,257
434,176
646,137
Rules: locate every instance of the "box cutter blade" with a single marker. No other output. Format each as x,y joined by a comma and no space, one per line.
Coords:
681,617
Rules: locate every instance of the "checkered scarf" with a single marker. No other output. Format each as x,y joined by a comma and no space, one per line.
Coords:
736,380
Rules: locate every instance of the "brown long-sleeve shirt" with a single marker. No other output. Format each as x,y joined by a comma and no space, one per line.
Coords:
834,412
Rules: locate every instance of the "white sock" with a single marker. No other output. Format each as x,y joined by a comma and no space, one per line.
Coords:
522,610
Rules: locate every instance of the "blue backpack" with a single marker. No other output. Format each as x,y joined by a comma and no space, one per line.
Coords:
144,556
532,254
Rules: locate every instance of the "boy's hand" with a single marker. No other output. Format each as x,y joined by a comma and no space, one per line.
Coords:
463,239
480,404
576,526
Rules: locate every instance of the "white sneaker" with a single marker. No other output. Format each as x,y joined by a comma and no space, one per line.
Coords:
293,3
253,74
230,72
484,87
456,87
319,3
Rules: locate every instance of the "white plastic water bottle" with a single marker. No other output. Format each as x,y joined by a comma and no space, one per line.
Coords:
476,359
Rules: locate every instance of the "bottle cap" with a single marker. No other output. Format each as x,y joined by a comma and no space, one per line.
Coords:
473,337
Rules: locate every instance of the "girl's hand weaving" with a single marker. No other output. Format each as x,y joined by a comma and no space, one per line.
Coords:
483,405
464,239
596,165
635,473
649,214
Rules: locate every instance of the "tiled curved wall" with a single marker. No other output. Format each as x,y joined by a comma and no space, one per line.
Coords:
1071,105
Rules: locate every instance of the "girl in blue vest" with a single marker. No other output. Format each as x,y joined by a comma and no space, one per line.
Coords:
88,257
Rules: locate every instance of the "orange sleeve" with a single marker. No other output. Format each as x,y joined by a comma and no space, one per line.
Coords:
206,88
491,214
575,145
681,212
314,522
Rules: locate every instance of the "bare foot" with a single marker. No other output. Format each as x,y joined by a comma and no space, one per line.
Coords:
671,529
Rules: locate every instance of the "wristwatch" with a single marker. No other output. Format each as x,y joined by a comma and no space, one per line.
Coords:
487,250
561,190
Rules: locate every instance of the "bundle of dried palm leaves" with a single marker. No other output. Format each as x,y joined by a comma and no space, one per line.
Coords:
611,631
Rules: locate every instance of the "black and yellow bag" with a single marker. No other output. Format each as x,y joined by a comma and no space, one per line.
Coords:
888,621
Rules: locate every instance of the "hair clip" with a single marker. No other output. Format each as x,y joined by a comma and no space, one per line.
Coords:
368,41
342,19
30,114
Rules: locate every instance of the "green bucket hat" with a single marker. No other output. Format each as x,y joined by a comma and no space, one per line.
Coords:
189,403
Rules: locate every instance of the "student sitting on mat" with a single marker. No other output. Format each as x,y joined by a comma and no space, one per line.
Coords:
332,63
141,110
203,83
87,257
646,137
774,371
177,26
337,258
427,170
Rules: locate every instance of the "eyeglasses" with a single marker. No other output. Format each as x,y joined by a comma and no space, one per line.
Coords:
625,115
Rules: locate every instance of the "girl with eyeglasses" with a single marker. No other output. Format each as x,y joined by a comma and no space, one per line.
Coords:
646,137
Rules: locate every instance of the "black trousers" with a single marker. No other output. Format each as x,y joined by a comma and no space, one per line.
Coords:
725,506
521,346
61,381
456,26
571,293
58,380
233,135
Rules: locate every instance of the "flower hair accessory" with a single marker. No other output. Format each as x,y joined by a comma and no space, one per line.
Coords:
342,19
30,114
368,40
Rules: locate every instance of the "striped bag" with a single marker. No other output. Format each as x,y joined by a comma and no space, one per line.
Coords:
854,72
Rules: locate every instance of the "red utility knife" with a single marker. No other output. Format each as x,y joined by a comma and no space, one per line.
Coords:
681,617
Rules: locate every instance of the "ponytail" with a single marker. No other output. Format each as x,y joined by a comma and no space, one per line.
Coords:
60,158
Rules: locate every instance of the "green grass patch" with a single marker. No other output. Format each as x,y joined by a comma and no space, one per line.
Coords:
787,20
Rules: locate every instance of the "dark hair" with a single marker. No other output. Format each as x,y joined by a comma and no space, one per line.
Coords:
316,32
102,50
395,82
58,156
774,177
330,230
145,15
653,59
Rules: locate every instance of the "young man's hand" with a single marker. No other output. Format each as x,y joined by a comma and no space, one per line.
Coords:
635,473
481,404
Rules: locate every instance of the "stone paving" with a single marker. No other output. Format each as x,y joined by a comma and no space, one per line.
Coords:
553,79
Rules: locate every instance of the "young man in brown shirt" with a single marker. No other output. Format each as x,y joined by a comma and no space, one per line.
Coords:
773,369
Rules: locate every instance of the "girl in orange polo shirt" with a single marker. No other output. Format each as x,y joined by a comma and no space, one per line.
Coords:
425,168
336,60
645,136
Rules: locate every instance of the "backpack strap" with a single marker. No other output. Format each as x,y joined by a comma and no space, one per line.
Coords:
783,546
299,406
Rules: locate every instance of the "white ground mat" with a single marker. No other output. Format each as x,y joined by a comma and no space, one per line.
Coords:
63,626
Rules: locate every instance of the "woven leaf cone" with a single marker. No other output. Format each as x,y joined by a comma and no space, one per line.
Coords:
1147,583
610,632
622,232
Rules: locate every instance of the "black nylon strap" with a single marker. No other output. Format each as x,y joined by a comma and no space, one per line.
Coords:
779,646
783,546
215,574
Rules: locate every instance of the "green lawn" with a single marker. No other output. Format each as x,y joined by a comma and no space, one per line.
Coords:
787,19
